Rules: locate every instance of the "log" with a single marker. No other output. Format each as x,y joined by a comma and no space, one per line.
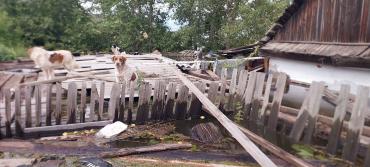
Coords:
246,143
145,149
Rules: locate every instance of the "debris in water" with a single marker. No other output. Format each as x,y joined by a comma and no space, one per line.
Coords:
206,133
94,162
111,130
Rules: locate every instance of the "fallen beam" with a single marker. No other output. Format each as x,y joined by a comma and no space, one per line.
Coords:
145,149
235,132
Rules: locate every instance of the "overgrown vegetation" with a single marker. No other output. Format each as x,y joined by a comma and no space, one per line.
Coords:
135,25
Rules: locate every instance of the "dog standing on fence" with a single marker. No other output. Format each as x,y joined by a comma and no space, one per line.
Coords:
123,73
49,60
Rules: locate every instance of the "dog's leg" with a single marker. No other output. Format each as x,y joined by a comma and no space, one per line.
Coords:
46,73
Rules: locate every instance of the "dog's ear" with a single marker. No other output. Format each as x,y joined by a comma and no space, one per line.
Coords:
124,59
114,58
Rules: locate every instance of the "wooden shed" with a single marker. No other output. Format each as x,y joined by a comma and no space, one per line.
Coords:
327,40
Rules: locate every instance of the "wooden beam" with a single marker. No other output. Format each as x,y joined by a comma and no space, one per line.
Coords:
246,143
67,127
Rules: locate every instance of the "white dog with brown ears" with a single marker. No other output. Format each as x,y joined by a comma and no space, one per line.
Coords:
49,60
123,72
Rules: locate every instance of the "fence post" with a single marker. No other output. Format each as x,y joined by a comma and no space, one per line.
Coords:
170,101
356,124
181,103
339,114
18,120
276,102
72,103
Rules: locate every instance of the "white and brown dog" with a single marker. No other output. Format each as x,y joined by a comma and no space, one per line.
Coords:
123,72
49,60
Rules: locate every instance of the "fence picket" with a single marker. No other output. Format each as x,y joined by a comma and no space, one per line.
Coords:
8,110
276,102
113,102
93,97
101,101
38,97
83,103
170,101
28,98
72,103
181,103
18,120
58,104
49,109
131,101
122,103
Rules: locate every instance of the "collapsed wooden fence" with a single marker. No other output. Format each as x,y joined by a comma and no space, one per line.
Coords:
74,108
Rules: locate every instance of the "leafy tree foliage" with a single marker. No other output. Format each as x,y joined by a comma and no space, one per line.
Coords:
134,25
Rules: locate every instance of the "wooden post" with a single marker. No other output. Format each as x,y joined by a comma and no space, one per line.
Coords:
83,103
195,105
38,95
122,103
181,103
18,119
113,102
101,101
8,113
170,101
266,98
248,145
257,99
249,94
314,108
93,97
131,101
49,109
158,100
28,98
340,112
143,106
72,103
242,83
58,104
300,123
356,124
276,102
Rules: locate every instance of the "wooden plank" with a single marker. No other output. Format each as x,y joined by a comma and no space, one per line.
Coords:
113,102
214,76
131,101
58,103
242,83
170,101
158,100
248,145
222,95
314,107
101,101
143,105
38,95
18,119
72,103
181,103
356,124
93,98
266,98
195,105
83,103
122,103
340,112
257,98
248,95
28,97
276,102
8,110
49,109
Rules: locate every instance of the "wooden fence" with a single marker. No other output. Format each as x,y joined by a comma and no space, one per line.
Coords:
131,103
